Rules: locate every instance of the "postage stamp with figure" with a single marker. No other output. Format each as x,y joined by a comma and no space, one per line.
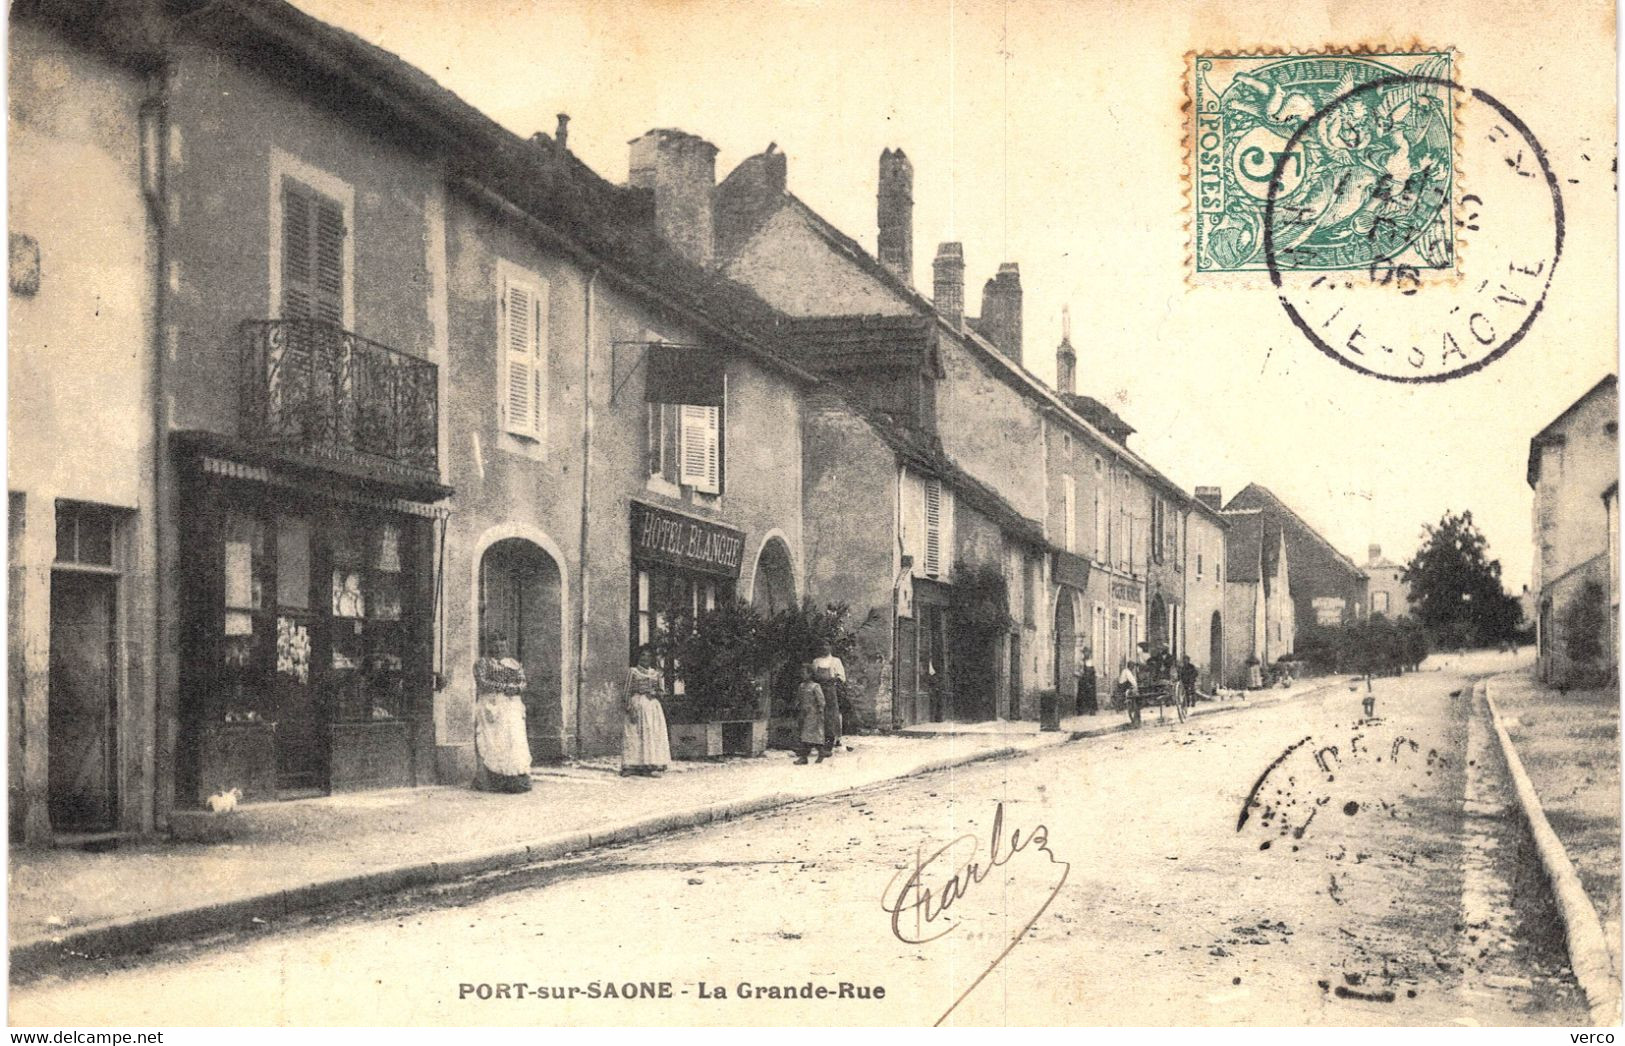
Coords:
1322,162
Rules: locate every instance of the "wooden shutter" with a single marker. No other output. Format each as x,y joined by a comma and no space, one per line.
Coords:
1071,509
312,255
524,321
699,448
933,527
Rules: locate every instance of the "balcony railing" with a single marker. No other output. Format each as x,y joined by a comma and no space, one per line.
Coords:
310,387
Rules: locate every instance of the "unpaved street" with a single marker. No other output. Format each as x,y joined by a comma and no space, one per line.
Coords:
1377,877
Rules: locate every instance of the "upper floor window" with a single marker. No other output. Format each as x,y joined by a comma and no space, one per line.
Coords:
1069,506
313,232
523,355
686,389
312,226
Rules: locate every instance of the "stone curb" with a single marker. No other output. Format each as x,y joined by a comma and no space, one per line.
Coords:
1588,948
142,933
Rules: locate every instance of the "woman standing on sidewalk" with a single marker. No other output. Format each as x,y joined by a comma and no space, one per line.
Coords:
645,745
502,751
830,673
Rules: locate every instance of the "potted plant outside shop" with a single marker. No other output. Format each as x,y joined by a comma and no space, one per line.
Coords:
722,659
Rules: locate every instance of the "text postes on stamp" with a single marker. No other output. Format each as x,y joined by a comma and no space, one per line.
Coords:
1369,182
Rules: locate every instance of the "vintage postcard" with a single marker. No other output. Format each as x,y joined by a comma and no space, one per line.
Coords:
812,513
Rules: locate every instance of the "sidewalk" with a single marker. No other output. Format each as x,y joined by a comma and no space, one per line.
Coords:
287,857
301,854
1569,746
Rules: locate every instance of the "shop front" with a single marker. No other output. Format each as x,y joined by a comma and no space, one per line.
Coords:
309,608
1126,609
682,566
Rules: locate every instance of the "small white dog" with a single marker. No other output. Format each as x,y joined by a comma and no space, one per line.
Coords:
225,802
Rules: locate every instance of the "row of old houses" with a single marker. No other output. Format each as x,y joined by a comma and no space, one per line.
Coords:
323,385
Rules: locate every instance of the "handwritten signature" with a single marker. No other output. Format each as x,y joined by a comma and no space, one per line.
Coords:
916,908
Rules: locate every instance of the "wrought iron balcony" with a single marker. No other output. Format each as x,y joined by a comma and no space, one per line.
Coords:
314,389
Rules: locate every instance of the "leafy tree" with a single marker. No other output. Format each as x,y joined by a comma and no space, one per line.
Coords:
1584,626
1455,588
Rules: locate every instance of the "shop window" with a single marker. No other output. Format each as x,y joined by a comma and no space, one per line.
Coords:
366,625
248,621
84,534
665,598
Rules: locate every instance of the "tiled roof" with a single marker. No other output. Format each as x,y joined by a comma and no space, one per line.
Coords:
1254,495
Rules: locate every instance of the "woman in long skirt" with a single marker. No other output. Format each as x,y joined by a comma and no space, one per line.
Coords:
502,751
830,673
645,745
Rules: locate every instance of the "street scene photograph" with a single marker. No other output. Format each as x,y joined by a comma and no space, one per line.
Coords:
818,513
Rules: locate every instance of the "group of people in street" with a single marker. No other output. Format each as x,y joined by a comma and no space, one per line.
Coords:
818,705
1161,667
502,748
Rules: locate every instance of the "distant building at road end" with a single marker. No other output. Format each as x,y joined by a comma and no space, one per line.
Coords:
1388,594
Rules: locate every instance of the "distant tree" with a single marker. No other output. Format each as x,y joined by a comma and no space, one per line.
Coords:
1455,588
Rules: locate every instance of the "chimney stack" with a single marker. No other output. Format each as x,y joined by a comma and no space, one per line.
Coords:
896,214
1373,553
1066,361
1212,497
562,135
1001,310
948,282
681,169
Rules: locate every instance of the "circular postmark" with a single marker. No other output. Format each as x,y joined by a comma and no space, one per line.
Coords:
1389,216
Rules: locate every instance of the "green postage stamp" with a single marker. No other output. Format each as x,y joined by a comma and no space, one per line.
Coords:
1350,158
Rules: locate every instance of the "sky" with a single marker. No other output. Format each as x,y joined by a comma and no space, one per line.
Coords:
1049,134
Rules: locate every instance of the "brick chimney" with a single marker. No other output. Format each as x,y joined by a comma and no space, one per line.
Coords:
1001,310
754,190
1212,497
1373,553
681,170
1066,361
896,214
948,282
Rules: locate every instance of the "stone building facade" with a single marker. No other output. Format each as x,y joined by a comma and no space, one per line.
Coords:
1574,472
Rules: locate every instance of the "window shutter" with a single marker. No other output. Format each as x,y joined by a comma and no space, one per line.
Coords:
329,262
933,527
1071,509
298,281
698,450
523,338
312,255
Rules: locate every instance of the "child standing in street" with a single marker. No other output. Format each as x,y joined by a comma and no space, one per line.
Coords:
810,707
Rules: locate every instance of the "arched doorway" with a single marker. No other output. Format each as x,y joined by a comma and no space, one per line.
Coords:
1066,647
520,603
773,591
1215,651
775,586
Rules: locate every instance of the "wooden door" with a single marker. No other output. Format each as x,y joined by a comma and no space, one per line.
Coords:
83,696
